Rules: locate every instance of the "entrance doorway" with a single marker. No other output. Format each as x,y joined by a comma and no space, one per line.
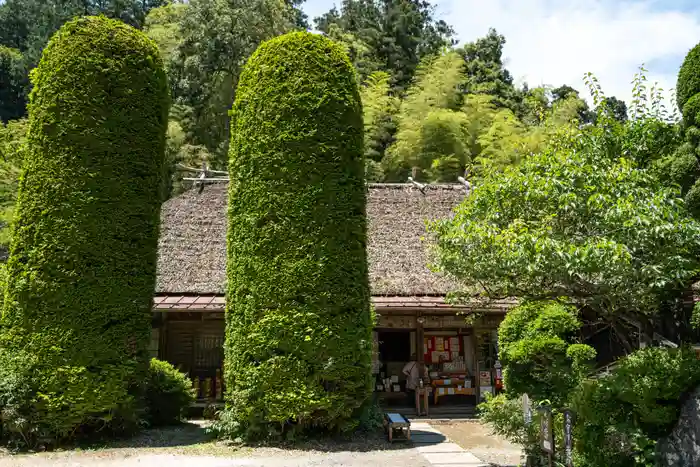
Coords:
394,349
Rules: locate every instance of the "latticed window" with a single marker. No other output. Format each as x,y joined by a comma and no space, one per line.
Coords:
208,351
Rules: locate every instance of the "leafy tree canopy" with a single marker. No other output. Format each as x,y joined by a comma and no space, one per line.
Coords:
395,35
216,39
580,221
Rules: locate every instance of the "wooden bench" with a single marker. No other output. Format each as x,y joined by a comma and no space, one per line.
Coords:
395,421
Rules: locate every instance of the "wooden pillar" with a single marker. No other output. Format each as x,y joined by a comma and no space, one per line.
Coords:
163,345
475,356
419,344
421,393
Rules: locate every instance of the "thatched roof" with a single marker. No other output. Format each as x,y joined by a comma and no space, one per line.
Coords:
192,247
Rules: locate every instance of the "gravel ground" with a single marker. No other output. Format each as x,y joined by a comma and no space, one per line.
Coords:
188,445
340,459
477,439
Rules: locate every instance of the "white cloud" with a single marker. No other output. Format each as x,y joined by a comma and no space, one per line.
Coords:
557,42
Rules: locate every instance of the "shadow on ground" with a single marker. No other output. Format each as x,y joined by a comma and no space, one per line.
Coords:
194,434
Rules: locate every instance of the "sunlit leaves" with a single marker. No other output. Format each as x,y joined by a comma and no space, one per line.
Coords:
574,222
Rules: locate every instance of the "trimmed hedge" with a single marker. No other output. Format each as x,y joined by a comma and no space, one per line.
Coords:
169,394
688,93
692,200
688,83
81,272
298,344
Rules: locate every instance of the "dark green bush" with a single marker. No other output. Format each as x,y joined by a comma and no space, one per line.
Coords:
81,272
692,200
688,83
13,84
169,394
622,415
681,168
298,347
538,349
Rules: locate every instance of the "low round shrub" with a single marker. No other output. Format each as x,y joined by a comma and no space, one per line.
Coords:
622,415
169,394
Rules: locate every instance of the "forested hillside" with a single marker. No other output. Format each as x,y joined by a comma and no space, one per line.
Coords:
430,106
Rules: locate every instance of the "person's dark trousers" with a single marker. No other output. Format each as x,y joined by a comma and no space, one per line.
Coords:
411,397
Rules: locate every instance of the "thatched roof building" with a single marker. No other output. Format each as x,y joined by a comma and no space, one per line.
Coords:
192,247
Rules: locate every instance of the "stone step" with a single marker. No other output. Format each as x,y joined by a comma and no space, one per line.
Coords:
444,447
451,458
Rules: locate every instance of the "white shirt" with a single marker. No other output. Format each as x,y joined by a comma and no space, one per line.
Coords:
412,374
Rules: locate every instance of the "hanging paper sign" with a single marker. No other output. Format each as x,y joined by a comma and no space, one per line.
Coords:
568,439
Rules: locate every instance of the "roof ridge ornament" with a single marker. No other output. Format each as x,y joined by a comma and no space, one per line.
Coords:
203,178
420,186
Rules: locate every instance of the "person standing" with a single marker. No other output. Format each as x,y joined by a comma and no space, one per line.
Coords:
412,372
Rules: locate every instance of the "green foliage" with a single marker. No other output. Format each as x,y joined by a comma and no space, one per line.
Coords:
43,403
3,282
13,84
688,84
215,39
428,126
298,331
387,35
538,350
379,105
680,168
442,130
169,394
485,73
504,414
579,221
81,272
162,25
692,199
688,94
621,415
12,146
695,320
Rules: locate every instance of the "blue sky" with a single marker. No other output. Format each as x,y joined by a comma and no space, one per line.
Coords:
557,41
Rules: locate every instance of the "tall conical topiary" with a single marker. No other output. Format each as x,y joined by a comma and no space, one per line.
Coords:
298,335
688,98
77,314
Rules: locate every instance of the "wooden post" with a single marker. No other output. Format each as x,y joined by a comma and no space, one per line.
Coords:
419,344
419,358
477,379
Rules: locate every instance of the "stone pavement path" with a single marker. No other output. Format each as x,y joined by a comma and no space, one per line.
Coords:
435,448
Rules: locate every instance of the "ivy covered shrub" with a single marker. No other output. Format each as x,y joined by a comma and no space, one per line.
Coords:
169,393
539,352
298,336
621,415
81,272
